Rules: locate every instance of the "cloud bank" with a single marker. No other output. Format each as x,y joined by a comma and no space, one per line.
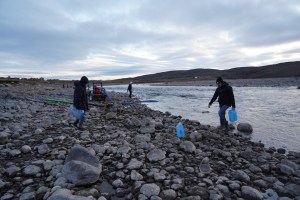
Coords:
117,39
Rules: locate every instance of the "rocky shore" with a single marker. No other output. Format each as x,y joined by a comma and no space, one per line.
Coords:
131,152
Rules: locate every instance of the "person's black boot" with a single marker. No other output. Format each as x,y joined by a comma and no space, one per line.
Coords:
76,122
226,125
80,126
221,124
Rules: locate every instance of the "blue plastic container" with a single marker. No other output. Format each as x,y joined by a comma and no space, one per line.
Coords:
180,130
232,115
78,114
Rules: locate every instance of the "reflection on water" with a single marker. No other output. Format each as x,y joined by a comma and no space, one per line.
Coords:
273,112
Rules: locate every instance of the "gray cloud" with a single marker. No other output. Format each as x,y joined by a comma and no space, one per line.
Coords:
113,39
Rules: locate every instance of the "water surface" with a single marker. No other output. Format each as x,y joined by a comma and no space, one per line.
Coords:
274,112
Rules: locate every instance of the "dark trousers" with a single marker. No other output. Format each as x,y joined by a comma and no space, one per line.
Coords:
222,113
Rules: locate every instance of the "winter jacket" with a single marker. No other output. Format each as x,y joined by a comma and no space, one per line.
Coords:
80,97
225,94
129,88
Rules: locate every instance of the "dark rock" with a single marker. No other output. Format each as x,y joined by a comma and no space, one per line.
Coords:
245,127
250,193
281,150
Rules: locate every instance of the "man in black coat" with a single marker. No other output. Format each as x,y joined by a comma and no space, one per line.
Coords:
130,89
80,101
226,100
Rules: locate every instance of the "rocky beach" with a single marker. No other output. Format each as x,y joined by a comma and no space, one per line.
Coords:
130,152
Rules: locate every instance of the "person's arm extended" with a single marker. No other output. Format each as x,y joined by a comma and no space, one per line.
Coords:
213,98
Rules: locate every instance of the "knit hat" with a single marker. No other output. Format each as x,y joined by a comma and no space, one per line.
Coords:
84,80
219,80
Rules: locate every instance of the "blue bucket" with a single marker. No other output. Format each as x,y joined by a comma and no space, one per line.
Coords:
232,115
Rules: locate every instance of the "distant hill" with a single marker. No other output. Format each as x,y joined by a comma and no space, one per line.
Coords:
287,69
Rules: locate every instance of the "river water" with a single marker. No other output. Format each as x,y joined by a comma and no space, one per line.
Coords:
273,112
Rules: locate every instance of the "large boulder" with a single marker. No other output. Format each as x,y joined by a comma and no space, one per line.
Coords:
81,167
245,127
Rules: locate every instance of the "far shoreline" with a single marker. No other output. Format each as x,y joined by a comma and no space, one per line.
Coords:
258,82
263,82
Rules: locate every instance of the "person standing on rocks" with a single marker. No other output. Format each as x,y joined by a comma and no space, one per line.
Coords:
130,89
225,96
80,101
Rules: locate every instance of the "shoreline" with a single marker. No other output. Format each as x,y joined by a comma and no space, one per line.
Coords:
140,154
264,82
258,82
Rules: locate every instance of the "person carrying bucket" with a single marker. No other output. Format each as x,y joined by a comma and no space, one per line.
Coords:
225,96
80,101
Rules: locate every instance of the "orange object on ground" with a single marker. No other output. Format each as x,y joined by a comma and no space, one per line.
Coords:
97,90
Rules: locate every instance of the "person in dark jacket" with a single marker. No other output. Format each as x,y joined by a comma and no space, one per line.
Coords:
225,96
80,101
130,89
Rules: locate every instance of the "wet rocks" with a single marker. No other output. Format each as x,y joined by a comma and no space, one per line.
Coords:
288,167
245,127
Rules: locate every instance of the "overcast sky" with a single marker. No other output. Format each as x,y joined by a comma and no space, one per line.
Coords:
110,39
